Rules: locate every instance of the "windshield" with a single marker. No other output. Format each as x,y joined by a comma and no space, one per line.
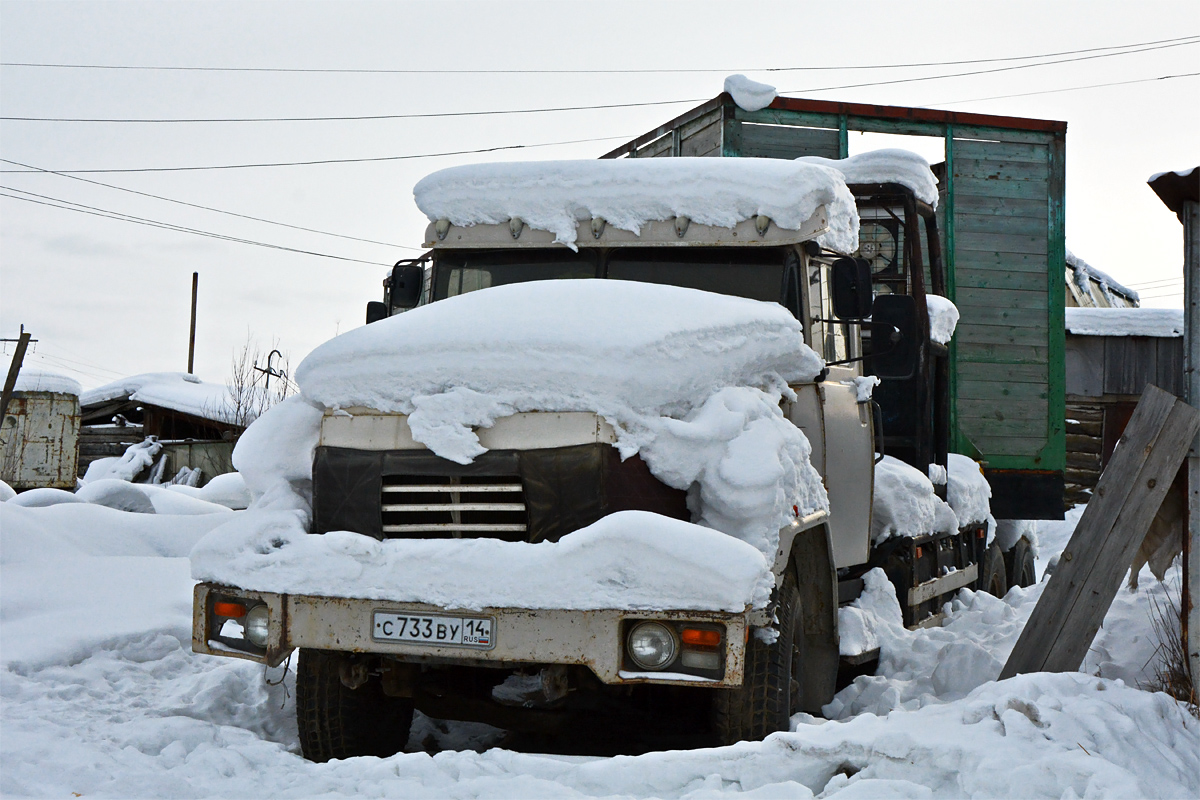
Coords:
757,273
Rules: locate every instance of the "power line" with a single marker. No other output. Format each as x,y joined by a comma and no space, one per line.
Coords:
555,109
204,208
644,71
322,161
1161,280
1067,89
67,205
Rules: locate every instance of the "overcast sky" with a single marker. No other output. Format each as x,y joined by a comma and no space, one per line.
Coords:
110,298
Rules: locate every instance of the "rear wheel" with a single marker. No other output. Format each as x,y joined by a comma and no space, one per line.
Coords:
1019,561
338,722
993,578
771,689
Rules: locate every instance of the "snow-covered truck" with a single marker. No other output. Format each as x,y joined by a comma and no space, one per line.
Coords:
621,454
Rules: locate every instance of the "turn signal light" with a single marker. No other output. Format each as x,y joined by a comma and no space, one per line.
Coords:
700,638
230,610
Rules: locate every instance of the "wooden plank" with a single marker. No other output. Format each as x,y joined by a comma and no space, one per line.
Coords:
703,141
1130,364
993,446
1006,373
973,296
997,334
1008,151
989,223
965,134
1169,356
981,187
1008,262
1031,280
994,169
1001,242
998,353
780,141
1080,443
1065,620
1000,410
991,315
1085,366
993,390
1036,207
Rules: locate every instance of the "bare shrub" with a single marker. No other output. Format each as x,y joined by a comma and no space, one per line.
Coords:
257,381
1172,671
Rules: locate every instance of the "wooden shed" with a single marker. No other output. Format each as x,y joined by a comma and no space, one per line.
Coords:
1001,224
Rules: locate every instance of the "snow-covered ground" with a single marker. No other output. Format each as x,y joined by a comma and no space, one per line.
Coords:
101,696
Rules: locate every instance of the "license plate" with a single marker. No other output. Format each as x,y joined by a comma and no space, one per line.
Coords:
434,629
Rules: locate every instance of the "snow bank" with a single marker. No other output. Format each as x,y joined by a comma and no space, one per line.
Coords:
1084,273
967,491
33,380
887,165
557,195
274,455
228,490
1125,321
749,95
627,560
179,391
904,503
127,466
6,492
943,318
691,380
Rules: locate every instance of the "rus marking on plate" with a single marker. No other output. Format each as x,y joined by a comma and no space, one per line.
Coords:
434,629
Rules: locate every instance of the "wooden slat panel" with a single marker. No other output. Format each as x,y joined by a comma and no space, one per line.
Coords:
1130,363
983,389
1031,318
994,353
1036,208
1007,373
965,134
1000,170
1008,151
775,141
1001,243
990,223
702,141
658,148
996,334
1030,281
988,260
1170,365
971,296
1007,445
981,187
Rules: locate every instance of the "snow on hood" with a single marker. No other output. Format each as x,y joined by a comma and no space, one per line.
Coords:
1166,322
905,505
33,380
967,491
888,165
690,380
178,391
749,95
628,560
557,195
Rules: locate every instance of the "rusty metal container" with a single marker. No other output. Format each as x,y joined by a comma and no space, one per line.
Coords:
40,435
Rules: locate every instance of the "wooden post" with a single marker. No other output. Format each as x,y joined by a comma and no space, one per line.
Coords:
13,370
192,335
1089,572
1190,216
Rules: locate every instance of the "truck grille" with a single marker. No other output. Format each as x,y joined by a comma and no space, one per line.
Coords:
424,506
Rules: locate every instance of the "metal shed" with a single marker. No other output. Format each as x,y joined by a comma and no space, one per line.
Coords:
39,435
1001,222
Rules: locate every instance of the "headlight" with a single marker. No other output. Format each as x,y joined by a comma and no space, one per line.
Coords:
651,645
257,626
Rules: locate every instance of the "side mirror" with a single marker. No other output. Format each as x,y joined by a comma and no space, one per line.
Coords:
895,345
376,311
851,288
405,287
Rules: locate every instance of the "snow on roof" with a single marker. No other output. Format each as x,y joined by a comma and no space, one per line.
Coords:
178,391
33,380
557,195
1084,271
1167,322
888,165
627,560
749,95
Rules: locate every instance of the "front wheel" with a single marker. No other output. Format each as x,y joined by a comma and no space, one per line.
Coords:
335,721
771,689
1019,560
992,574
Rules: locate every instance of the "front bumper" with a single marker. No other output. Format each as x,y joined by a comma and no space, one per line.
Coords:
522,636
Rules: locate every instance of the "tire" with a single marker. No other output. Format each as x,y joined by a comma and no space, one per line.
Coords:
771,690
1020,566
993,577
337,722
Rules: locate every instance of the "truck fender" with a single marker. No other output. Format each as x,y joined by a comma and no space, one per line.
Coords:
806,548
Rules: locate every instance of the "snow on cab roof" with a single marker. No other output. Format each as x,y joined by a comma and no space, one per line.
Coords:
178,391
556,196
889,165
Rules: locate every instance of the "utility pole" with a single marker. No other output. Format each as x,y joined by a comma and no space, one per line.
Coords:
14,369
1190,216
192,335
